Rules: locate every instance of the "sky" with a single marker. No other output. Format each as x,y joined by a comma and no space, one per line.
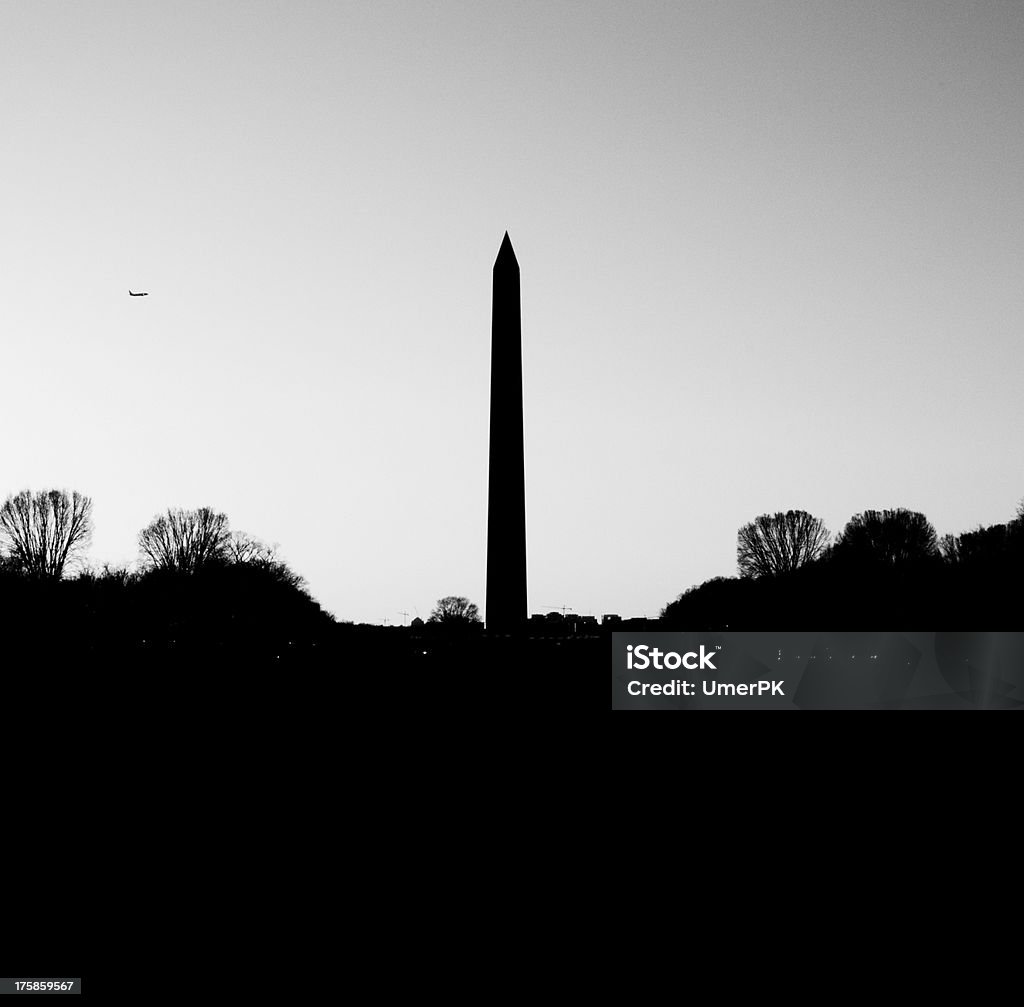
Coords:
771,257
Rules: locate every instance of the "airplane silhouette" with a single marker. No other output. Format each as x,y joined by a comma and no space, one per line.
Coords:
145,293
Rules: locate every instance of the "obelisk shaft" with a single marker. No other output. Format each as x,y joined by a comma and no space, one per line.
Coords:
506,485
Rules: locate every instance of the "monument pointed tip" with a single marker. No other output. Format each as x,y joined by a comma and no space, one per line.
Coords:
505,254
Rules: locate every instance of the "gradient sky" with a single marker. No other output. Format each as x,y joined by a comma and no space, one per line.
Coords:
772,256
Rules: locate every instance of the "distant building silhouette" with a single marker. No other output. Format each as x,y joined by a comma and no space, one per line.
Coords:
560,624
506,485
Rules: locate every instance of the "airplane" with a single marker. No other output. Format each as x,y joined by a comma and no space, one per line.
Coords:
145,293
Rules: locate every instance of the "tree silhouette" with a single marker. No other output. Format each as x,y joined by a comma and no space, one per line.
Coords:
455,611
981,546
778,543
951,549
889,537
713,605
244,548
1015,531
45,531
185,540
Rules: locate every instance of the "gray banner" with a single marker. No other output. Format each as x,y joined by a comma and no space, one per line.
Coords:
48,985
817,671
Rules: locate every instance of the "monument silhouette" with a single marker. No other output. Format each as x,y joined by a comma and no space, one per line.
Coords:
506,484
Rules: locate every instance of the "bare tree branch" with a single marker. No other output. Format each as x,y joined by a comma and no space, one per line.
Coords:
777,543
47,531
185,540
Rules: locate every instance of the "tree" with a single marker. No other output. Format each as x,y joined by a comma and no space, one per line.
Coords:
243,549
455,611
981,546
891,537
951,549
45,531
1015,526
712,605
185,540
778,543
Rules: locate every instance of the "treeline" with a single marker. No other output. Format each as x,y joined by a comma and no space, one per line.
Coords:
886,570
198,591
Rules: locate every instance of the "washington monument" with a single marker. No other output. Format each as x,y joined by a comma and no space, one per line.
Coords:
506,484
